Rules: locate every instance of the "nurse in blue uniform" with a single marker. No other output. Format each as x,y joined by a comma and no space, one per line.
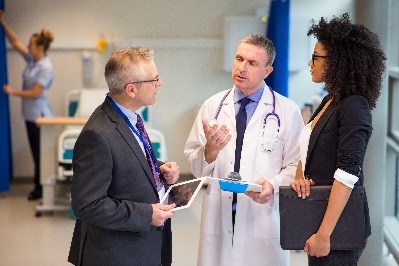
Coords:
37,76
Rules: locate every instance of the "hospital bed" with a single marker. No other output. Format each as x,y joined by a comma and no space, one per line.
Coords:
81,103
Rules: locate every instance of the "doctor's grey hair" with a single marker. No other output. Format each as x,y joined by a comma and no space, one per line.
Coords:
123,67
264,42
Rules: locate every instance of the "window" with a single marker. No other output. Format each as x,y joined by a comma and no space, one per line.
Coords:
391,219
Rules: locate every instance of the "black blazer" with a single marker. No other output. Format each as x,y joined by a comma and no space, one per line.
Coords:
112,189
339,140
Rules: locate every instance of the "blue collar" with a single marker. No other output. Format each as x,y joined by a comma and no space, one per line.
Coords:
255,97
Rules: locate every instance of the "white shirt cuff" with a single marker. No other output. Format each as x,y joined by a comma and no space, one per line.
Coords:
345,178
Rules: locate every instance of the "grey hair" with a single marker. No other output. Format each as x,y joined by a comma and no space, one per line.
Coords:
264,42
123,67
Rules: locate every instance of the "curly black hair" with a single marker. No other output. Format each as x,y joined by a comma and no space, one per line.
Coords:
355,58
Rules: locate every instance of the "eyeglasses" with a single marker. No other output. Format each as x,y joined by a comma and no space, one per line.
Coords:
317,56
150,80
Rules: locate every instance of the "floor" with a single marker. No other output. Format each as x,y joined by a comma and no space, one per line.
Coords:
41,241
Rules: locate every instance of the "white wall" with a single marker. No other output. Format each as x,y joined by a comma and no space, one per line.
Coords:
301,88
189,75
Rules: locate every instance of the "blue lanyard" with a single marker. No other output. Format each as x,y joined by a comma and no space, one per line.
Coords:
149,150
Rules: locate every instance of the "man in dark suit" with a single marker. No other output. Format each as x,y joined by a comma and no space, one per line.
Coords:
117,182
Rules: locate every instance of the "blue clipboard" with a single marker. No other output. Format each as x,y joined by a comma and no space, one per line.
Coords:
235,186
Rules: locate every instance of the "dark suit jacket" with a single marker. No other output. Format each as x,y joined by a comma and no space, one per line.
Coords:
112,189
339,140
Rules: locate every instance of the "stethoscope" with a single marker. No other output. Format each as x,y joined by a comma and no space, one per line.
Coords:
272,113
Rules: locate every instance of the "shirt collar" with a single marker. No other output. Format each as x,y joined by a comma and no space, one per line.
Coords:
255,97
132,116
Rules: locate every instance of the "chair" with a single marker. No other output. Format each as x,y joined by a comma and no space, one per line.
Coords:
71,102
84,102
158,143
79,103
66,143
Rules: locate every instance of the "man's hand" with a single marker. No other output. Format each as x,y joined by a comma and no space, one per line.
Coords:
170,172
160,213
264,196
216,139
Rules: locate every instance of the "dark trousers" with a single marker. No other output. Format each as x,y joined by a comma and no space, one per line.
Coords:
34,141
166,252
337,257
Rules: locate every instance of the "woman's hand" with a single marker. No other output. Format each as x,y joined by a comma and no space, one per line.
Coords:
302,187
2,16
317,245
7,89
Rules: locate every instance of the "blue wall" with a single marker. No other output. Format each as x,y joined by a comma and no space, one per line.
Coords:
278,32
5,140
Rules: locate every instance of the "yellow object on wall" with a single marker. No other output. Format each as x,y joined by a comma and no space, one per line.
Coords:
101,44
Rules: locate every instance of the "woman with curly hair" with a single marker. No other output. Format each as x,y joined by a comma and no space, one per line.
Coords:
349,60
37,76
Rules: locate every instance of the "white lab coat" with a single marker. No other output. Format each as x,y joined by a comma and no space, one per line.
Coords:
257,226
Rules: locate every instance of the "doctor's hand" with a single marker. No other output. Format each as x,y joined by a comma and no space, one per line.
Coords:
160,213
302,187
170,172
264,196
216,139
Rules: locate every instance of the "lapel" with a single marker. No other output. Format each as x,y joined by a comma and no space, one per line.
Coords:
228,108
124,130
320,124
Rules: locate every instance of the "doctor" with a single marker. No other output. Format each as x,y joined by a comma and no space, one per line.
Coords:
243,229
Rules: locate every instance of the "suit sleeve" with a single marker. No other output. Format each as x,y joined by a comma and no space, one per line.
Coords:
354,132
93,173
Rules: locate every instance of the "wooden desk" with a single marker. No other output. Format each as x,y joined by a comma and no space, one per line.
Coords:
48,159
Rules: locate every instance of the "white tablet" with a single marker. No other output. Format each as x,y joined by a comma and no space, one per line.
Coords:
183,194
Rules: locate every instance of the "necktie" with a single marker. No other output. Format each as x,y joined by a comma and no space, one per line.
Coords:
241,125
143,133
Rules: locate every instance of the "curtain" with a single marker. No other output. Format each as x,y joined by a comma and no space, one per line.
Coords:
5,138
278,33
